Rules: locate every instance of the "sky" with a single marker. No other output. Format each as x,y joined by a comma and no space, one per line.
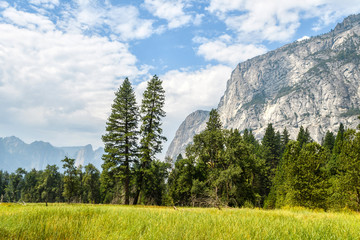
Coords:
61,61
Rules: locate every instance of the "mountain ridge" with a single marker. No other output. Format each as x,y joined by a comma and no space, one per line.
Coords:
15,153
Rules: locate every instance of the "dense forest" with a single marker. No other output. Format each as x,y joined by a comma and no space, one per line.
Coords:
221,167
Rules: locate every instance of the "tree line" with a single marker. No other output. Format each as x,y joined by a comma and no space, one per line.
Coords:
226,168
222,167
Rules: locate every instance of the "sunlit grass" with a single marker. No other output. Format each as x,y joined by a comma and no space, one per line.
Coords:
63,221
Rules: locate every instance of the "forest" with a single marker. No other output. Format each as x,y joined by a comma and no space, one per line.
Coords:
221,168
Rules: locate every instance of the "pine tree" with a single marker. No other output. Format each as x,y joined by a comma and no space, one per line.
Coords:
339,140
303,136
271,143
285,138
91,183
71,182
151,132
50,183
329,141
121,138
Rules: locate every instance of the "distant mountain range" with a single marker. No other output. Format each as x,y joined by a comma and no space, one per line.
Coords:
314,83
14,153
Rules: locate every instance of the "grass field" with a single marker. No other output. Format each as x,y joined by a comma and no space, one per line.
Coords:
63,221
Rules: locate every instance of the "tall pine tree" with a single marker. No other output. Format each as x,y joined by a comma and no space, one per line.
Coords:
151,132
121,139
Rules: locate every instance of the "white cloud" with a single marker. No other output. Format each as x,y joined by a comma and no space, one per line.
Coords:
3,4
27,20
278,20
122,22
172,11
45,3
222,50
303,38
187,91
60,83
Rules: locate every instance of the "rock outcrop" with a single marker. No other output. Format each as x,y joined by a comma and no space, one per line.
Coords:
313,83
193,124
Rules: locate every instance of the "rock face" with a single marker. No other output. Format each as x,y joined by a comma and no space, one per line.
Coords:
193,124
14,153
312,83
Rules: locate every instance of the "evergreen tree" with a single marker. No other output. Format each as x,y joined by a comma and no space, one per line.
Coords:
71,181
285,138
271,144
271,154
91,184
121,139
15,185
249,137
30,191
50,184
339,140
151,132
303,136
180,182
329,141
346,184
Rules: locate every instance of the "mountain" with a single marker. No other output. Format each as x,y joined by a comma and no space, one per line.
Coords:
312,83
14,153
193,124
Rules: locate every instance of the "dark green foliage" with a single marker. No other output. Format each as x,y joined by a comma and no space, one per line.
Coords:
151,137
302,176
180,182
3,184
303,136
339,140
15,185
271,151
50,184
155,176
91,184
31,191
346,184
151,114
220,169
329,141
285,138
120,142
71,180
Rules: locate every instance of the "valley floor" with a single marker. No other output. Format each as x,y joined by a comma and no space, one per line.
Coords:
80,221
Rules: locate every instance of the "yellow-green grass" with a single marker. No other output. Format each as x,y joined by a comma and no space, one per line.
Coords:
80,221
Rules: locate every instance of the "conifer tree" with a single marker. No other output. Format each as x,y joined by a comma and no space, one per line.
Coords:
303,136
329,140
271,143
71,183
121,139
285,138
339,140
151,132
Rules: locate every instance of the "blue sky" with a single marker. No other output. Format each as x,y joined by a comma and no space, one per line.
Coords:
61,61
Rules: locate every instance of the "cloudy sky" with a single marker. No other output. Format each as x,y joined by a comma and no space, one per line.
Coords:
62,60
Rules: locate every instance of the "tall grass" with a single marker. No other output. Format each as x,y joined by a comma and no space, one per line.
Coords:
63,221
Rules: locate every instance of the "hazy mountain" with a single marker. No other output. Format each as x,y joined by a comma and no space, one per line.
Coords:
14,153
313,83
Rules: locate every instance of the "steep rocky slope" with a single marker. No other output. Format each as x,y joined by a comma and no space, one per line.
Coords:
313,83
193,124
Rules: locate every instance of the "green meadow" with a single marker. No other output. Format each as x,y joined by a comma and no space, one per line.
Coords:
80,221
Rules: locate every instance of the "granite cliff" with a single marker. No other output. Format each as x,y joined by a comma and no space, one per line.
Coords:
313,83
